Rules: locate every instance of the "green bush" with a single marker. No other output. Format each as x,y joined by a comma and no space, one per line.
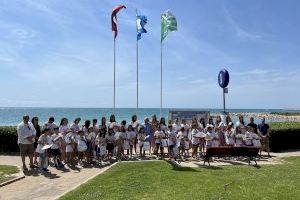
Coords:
284,136
8,139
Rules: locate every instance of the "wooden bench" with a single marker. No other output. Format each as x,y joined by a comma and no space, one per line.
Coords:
225,151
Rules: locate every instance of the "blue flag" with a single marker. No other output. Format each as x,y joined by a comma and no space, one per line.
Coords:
141,21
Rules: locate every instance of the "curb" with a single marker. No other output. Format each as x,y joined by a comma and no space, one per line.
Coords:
76,186
19,177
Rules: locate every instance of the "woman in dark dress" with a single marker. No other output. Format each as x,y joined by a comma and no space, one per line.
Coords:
35,122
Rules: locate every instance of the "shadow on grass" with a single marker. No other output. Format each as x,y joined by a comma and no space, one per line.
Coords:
177,167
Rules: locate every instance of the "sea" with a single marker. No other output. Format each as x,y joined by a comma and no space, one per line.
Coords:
11,116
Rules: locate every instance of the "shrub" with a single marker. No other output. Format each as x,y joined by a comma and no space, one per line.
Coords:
284,136
8,139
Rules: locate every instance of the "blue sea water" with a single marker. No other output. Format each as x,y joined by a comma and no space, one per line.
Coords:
13,116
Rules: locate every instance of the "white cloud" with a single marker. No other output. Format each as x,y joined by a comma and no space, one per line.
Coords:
239,31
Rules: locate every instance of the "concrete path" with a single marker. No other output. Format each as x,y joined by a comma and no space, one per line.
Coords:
274,160
51,185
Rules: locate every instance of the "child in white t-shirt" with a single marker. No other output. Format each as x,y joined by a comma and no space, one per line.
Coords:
56,140
229,136
110,143
43,155
141,139
214,137
90,142
101,145
171,141
238,137
158,135
247,137
81,146
195,141
69,140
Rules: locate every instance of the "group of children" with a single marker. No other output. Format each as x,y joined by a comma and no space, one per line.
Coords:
73,144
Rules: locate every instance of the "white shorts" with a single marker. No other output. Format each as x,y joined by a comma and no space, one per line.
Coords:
69,148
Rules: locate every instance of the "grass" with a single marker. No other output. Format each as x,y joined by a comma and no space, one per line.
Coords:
6,171
162,180
285,125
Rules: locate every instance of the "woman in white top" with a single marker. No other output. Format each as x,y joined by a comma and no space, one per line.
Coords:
75,126
95,126
195,140
63,129
135,125
163,127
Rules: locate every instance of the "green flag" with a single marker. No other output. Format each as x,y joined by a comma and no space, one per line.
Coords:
168,24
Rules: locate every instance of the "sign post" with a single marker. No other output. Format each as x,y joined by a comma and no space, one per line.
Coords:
223,79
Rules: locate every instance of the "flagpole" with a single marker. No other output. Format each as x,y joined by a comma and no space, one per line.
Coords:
137,70
114,76
161,75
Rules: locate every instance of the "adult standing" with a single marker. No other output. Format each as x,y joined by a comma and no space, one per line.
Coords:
35,123
149,132
135,124
263,131
253,125
75,126
50,124
26,137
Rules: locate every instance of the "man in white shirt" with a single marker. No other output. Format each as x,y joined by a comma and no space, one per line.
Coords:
26,136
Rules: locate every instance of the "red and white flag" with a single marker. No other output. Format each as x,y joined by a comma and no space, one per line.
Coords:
114,25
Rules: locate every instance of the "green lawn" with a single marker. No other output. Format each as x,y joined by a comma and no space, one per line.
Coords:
162,180
6,171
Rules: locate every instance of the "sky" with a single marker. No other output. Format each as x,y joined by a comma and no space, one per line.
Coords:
60,54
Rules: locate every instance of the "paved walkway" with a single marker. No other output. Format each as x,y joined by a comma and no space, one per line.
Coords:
55,183
276,159
47,185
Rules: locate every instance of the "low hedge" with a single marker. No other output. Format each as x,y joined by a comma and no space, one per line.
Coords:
8,139
284,136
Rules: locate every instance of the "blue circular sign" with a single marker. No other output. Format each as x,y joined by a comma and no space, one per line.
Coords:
223,78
